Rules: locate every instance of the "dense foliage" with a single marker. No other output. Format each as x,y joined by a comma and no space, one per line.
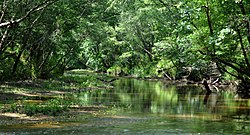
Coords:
43,38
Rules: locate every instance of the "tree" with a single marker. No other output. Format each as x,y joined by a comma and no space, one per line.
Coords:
15,33
144,38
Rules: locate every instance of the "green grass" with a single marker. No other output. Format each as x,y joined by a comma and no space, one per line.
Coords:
47,97
51,107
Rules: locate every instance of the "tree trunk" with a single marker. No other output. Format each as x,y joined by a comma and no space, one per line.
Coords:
243,11
17,61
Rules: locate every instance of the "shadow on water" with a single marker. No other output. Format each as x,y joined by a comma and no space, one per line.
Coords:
150,107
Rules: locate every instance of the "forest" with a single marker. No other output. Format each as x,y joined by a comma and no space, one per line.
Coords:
124,67
175,39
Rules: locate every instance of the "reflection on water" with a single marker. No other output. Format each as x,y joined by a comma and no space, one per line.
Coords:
158,98
153,107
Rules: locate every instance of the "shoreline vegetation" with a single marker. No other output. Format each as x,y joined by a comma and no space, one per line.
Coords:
42,100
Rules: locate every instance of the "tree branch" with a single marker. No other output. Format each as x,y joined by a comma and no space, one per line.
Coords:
147,46
207,10
3,10
238,69
243,49
189,17
24,45
32,10
168,7
243,11
58,62
209,21
4,37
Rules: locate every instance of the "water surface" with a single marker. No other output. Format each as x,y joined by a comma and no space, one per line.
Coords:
150,107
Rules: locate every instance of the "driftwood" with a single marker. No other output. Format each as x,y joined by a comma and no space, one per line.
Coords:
167,76
206,86
107,81
213,84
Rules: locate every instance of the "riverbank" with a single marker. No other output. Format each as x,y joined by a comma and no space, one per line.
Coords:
32,101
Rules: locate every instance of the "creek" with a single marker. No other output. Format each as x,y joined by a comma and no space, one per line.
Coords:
150,107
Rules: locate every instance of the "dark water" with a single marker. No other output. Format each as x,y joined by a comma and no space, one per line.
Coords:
151,107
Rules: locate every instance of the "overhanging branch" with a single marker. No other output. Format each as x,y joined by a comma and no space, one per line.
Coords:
32,10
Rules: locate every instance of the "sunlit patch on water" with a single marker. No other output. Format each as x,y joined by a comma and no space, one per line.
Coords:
201,117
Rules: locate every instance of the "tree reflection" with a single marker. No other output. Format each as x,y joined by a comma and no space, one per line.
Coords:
159,98
210,100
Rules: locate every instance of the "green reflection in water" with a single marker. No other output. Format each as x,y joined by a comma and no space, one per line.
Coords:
158,98
153,107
